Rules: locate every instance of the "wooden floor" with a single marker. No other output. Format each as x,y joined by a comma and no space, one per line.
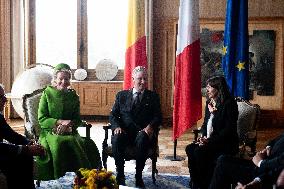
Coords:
166,146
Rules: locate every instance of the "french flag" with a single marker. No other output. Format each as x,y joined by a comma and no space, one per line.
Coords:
187,89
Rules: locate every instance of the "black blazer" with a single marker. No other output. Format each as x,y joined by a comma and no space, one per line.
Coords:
276,158
224,136
15,139
148,112
270,177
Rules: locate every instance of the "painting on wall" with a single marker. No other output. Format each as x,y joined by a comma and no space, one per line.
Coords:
261,59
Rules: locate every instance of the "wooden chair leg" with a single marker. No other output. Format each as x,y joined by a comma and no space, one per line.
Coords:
104,159
154,169
104,154
38,183
88,127
35,172
105,146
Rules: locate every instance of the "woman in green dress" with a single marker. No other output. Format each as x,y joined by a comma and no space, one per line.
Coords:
59,118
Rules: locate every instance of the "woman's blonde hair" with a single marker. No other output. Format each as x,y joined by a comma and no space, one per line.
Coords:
53,81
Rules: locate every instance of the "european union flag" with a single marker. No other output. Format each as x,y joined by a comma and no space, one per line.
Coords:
235,50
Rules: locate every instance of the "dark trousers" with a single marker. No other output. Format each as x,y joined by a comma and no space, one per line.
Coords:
201,163
119,142
230,170
18,171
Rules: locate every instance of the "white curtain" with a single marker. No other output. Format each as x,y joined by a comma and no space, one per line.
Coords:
17,37
5,44
149,38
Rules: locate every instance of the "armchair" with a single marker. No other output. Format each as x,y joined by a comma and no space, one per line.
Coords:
153,153
30,107
248,119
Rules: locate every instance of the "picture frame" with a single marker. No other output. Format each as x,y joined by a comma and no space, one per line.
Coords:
271,97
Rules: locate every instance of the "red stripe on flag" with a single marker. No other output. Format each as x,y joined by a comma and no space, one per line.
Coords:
187,92
134,56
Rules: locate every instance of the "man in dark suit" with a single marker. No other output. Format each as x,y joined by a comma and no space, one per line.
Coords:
264,167
16,157
135,118
263,181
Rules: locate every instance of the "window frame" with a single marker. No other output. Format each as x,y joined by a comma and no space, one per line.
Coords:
82,33
82,38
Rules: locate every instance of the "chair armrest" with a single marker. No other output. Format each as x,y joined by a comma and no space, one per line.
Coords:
195,132
88,127
106,128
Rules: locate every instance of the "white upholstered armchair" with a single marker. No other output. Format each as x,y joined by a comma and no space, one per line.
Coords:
32,127
248,119
30,106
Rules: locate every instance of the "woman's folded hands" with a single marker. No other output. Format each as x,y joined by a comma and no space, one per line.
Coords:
63,127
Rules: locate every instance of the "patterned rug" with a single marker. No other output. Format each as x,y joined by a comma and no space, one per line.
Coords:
163,181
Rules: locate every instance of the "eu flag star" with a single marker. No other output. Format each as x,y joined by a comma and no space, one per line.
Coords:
224,50
235,48
241,65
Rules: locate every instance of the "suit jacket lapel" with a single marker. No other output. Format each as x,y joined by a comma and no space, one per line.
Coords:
144,98
129,99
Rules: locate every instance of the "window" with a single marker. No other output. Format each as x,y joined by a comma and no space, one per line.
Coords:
57,37
107,27
56,32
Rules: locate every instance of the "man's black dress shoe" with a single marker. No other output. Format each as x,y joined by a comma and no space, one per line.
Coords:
192,185
120,181
140,183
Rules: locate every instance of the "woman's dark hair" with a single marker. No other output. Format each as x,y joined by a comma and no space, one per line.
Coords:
219,83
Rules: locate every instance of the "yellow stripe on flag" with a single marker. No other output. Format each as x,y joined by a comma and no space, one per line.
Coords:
136,21
135,54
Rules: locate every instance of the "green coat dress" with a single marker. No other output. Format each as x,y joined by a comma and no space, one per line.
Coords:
64,153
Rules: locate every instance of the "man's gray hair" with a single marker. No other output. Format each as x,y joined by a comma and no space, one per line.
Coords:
139,69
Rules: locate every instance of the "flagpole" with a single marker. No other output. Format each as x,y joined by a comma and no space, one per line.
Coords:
175,157
187,106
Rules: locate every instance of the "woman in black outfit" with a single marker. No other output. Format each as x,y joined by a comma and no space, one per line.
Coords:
218,133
